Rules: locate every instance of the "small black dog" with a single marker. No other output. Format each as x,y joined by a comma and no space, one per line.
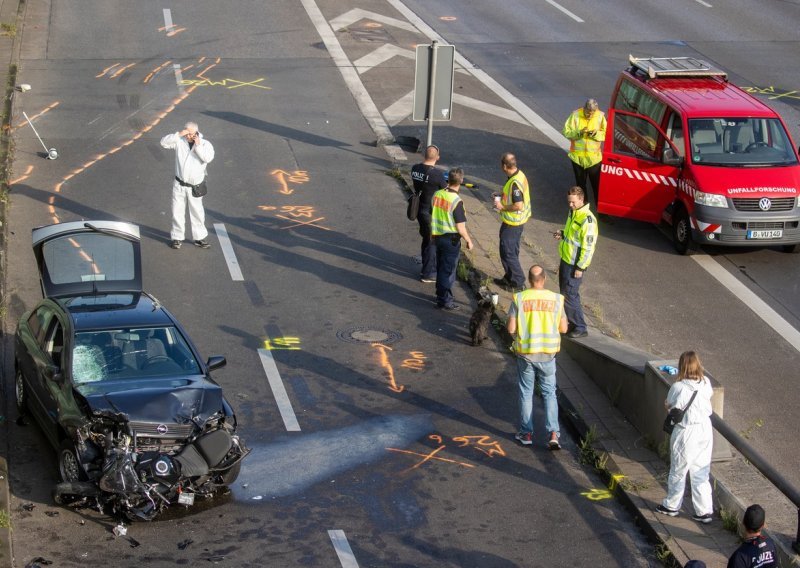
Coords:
479,322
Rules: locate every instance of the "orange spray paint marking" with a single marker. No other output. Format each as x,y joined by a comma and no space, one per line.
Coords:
283,177
311,223
175,31
106,70
156,71
481,443
416,362
384,360
428,457
121,71
35,116
448,18
23,177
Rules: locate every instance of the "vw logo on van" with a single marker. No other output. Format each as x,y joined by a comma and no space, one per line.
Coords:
764,204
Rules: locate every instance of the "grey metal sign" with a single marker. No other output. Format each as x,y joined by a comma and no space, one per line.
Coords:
441,68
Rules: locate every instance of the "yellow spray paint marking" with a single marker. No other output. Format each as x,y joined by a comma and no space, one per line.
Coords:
384,360
227,83
287,343
772,92
283,178
416,362
597,494
615,480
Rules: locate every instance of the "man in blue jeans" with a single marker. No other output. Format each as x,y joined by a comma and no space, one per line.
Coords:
536,320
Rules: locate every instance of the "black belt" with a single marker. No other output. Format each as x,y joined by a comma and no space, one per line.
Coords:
184,184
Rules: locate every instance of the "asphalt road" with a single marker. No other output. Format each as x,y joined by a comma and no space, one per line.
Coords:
639,290
404,449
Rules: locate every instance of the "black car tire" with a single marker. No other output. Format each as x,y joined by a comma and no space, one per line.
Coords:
682,233
20,393
69,465
230,476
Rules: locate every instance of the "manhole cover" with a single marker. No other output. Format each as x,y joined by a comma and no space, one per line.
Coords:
369,335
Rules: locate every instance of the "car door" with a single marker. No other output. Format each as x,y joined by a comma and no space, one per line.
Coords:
641,168
48,362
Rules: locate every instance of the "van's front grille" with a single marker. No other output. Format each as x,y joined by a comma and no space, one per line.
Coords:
754,204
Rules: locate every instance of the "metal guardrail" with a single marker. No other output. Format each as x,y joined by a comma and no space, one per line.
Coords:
751,454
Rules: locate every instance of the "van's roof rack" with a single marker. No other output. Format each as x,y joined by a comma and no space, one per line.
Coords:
675,67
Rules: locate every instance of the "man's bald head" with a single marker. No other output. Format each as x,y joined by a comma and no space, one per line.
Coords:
537,276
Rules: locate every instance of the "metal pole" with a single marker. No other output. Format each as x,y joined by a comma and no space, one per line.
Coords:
34,131
431,90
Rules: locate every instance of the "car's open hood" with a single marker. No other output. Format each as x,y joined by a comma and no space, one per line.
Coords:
155,400
88,257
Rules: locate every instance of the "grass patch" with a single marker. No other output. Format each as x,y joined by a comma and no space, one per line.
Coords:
5,520
663,554
730,522
8,30
747,432
462,270
587,453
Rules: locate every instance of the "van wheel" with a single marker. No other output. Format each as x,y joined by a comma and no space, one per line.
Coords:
791,249
682,233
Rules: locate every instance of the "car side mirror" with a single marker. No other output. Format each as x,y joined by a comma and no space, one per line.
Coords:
671,158
216,362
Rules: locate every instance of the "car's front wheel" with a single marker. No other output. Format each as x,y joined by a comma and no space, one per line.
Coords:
21,393
69,466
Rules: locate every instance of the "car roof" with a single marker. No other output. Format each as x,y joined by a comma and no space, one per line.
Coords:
704,97
114,311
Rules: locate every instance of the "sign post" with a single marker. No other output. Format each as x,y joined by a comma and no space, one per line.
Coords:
433,84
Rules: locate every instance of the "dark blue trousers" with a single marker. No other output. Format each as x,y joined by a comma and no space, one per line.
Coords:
570,288
428,249
510,237
448,248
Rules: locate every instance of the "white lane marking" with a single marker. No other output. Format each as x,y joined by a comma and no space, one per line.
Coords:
279,391
750,299
383,54
227,252
368,109
342,548
488,108
534,119
168,19
178,76
357,14
400,109
706,4
567,12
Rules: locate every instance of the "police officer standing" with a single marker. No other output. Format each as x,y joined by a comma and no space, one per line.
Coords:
578,240
448,227
427,179
757,550
586,129
536,320
514,206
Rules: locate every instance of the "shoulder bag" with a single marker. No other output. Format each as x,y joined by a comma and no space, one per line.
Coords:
413,206
675,416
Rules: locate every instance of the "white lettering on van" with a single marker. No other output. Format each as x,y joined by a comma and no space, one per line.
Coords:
762,189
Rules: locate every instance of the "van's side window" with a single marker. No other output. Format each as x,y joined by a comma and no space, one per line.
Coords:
634,135
634,99
675,132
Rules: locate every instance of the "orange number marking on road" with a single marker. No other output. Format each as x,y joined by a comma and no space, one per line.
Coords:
416,362
283,177
484,444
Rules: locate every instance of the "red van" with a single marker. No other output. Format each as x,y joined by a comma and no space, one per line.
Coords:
685,146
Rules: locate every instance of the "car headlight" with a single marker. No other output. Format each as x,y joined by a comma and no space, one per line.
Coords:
710,199
798,200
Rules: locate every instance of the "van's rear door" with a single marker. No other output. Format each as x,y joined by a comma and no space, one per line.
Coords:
635,181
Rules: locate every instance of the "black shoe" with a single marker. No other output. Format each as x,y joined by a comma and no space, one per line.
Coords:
175,244
427,279
668,512
502,282
705,519
450,308
203,244
575,334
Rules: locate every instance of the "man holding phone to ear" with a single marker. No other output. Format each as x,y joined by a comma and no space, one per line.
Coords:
192,154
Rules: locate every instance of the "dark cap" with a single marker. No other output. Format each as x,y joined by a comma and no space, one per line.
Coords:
754,518
695,564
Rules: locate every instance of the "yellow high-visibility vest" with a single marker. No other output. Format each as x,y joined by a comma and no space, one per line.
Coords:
442,221
584,150
580,238
539,314
516,217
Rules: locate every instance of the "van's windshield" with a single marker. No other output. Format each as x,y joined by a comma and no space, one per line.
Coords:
739,142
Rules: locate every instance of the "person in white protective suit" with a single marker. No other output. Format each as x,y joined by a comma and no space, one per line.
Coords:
691,441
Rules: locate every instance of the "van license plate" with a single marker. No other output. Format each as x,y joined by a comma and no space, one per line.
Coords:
775,234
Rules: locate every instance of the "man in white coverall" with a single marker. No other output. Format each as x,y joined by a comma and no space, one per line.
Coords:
192,154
